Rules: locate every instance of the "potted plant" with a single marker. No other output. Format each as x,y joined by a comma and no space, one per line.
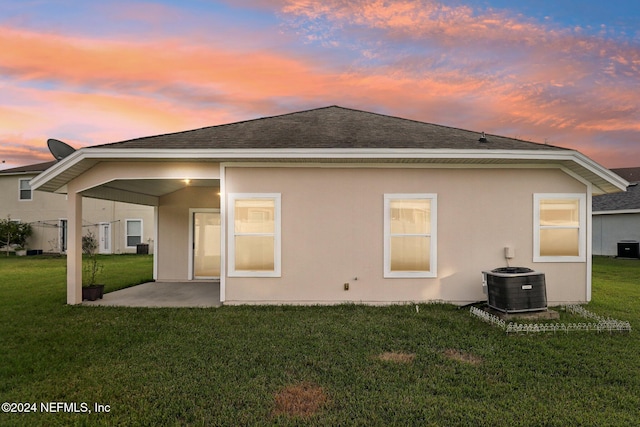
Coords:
20,250
91,269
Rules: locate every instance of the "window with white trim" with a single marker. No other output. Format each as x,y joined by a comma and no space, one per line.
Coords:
25,189
559,222
254,234
133,230
410,239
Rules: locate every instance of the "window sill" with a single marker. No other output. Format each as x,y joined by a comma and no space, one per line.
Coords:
410,275
559,259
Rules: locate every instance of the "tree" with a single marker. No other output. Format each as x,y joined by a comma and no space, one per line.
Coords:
13,233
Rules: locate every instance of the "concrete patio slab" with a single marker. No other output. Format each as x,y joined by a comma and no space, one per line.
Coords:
163,294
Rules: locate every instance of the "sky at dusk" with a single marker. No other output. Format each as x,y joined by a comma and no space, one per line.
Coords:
564,72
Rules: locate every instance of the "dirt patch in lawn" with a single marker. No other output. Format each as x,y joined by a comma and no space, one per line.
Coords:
462,356
300,400
397,356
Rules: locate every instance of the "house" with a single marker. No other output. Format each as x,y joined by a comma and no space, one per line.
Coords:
337,205
616,217
118,226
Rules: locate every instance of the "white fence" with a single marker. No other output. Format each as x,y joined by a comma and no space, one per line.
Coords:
600,323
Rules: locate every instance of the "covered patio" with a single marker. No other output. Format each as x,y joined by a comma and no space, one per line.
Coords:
184,195
164,294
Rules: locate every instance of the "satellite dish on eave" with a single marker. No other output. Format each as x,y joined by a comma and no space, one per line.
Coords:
59,149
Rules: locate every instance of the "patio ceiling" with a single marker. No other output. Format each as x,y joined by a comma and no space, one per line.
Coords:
144,191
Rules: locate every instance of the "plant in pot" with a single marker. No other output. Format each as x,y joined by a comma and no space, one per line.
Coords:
91,269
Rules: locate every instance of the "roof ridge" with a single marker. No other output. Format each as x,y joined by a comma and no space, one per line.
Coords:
359,128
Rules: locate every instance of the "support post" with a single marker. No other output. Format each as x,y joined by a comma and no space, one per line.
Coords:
74,248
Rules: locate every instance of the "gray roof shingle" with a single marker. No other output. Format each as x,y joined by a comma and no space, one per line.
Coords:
630,174
329,127
35,168
628,200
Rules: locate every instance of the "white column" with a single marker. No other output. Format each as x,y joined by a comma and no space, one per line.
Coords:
74,248
223,234
156,233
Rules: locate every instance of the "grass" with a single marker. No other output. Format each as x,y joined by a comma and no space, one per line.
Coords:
284,365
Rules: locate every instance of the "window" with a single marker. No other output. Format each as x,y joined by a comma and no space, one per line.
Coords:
25,189
254,235
133,232
559,227
410,235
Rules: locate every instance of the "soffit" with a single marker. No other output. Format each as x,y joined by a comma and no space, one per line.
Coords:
144,191
158,187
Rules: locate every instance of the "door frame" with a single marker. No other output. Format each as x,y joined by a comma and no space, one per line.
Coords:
191,243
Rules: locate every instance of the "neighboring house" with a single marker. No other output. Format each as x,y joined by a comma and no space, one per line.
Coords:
616,217
118,226
337,205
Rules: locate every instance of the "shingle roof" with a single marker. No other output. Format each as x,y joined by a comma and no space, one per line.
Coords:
618,201
37,167
329,127
630,174
628,200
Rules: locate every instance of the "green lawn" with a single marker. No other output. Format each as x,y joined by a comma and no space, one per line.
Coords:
359,365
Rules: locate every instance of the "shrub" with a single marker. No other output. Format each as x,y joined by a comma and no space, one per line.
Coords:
13,233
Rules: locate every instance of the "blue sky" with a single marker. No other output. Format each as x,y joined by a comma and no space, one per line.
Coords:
565,72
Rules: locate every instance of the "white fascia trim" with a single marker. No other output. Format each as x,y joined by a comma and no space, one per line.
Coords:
318,153
57,168
601,171
621,211
323,153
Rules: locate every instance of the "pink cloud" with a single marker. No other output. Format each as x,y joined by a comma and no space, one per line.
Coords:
483,70
546,80
160,79
15,150
163,81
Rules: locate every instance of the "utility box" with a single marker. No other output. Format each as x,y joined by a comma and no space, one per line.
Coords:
142,249
628,249
515,289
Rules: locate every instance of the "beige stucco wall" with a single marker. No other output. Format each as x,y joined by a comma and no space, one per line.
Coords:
332,232
45,210
173,233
